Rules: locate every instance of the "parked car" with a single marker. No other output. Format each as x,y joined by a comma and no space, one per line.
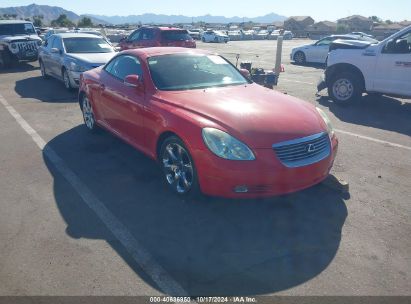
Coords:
157,36
356,67
18,42
195,33
363,34
53,31
318,51
210,128
65,56
214,36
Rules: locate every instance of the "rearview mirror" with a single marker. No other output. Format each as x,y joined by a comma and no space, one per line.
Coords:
132,81
245,73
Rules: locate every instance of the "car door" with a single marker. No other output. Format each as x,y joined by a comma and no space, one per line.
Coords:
393,67
45,54
319,51
56,58
147,37
135,39
123,105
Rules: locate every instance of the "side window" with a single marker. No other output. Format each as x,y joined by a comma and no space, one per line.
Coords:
325,41
135,36
401,45
122,66
56,43
59,43
49,42
147,34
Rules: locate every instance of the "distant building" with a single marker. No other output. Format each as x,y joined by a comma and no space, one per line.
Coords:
298,25
322,28
384,30
356,23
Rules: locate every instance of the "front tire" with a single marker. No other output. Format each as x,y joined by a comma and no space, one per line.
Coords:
178,168
88,114
66,80
300,58
43,70
7,59
345,88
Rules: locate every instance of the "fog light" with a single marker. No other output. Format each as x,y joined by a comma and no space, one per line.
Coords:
241,189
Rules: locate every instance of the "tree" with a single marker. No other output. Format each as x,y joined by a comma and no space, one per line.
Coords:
38,20
388,21
341,28
85,22
62,21
375,19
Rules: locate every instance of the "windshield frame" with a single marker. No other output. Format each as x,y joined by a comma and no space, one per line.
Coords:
247,80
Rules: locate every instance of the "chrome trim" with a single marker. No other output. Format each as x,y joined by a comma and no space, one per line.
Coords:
298,140
294,153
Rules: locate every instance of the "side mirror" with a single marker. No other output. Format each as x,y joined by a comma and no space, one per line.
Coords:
133,81
245,73
55,51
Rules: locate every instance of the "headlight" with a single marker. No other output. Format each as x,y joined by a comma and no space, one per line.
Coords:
13,45
226,146
327,121
39,42
75,67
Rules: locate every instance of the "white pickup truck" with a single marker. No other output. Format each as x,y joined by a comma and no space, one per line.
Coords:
356,67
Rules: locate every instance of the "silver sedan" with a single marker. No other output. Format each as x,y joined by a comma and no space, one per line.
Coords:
65,56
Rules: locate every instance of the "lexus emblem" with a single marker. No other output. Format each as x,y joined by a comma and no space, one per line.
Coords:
310,148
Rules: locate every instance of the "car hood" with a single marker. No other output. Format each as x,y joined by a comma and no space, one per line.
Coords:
92,58
253,114
11,38
301,47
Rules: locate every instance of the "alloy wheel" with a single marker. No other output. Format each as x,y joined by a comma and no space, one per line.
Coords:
178,168
88,115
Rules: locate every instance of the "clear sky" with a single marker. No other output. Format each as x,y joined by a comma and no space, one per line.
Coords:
318,9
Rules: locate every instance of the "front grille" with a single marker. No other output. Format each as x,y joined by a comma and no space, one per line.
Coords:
303,151
26,46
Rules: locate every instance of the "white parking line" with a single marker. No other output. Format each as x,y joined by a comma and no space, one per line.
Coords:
373,139
164,281
297,81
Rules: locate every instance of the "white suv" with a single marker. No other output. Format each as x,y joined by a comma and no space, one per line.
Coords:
355,67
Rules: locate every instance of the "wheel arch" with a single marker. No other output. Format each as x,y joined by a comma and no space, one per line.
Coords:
344,67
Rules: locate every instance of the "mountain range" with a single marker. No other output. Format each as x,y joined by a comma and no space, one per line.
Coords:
50,13
170,19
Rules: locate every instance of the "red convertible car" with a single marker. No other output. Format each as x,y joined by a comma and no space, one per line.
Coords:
210,128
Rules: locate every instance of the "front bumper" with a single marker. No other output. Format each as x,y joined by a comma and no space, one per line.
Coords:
263,177
74,78
322,83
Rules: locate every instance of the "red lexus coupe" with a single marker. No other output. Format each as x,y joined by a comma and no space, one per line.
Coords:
210,128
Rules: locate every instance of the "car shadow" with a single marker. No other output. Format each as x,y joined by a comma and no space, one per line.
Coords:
45,90
380,112
319,66
210,246
19,68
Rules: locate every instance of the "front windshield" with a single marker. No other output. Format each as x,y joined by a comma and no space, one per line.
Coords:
17,29
87,45
190,71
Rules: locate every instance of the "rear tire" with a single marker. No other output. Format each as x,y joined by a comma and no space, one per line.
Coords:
345,88
203,39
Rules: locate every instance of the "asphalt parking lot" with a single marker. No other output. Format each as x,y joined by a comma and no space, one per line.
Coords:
86,214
